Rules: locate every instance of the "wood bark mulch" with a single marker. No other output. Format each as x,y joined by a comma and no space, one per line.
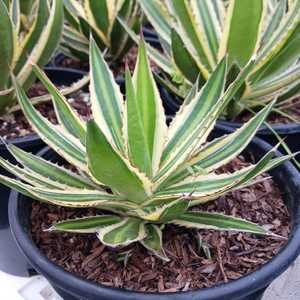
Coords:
199,258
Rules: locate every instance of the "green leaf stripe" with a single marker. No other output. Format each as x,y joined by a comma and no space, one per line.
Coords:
193,114
123,233
242,30
107,101
153,241
205,220
48,169
109,168
86,224
65,144
7,45
67,117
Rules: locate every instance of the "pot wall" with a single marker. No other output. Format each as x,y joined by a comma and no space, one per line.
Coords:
249,287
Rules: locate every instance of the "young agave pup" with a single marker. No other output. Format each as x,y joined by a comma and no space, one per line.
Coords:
100,18
133,167
196,34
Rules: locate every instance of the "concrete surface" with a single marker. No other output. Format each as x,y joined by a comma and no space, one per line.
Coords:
22,288
287,286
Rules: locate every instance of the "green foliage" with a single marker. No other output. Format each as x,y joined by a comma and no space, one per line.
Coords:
196,35
30,32
156,174
99,18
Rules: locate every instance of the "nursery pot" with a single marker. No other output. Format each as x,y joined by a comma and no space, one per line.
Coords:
171,102
249,287
151,37
290,133
11,261
148,31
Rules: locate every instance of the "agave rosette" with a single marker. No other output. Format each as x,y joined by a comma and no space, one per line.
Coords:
195,35
99,18
156,174
30,32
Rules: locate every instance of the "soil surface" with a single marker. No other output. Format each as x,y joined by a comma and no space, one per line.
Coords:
117,68
72,63
292,111
199,258
129,60
15,124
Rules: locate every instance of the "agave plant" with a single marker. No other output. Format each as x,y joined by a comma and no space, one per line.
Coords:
30,32
99,18
195,35
139,172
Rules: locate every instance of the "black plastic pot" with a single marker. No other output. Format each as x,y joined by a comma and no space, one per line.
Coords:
11,261
171,103
249,287
290,133
148,31
57,62
151,37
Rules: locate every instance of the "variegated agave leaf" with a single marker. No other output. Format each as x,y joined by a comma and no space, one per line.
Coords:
32,34
133,167
99,18
195,36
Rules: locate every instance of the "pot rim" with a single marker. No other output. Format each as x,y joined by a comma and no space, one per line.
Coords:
20,141
251,282
62,69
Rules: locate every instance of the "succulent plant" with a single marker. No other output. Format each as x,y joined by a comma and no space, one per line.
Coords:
196,34
30,32
139,172
99,18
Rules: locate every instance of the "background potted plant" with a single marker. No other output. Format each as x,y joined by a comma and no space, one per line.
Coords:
31,32
99,18
23,46
141,174
31,36
21,43
196,34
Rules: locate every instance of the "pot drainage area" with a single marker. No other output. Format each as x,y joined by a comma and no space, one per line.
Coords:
286,287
